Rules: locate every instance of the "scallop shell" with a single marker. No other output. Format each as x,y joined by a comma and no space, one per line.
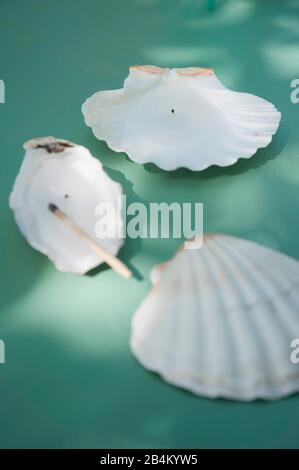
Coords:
180,118
219,321
61,172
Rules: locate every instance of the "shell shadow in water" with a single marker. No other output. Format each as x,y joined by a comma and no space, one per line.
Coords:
130,247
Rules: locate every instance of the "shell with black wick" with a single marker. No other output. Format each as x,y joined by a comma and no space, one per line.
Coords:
180,118
65,174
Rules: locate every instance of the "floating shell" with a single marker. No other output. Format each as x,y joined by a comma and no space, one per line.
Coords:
219,321
180,118
67,175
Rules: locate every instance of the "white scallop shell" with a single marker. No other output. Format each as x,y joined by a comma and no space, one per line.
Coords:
67,175
180,118
219,321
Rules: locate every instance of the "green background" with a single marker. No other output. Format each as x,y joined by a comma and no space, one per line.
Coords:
69,379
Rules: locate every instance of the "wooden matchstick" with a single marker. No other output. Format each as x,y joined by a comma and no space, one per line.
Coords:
111,260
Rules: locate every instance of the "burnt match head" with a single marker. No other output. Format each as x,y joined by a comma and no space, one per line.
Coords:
52,207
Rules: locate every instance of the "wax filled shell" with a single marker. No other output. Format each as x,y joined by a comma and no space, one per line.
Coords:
180,118
219,321
65,174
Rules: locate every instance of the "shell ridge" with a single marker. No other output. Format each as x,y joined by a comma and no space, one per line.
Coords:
249,328
216,321
223,312
250,366
182,353
274,334
153,301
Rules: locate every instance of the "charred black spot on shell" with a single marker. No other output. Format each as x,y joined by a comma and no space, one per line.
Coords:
172,111
54,147
52,207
